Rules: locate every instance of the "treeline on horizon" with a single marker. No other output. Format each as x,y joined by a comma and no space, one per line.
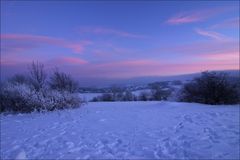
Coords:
213,88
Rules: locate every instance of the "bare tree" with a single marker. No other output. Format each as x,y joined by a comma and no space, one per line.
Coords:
37,75
63,82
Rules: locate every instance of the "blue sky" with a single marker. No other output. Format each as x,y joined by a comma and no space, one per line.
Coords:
120,39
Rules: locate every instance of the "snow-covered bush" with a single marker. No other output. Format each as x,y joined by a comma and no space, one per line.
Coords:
22,98
27,93
15,97
210,88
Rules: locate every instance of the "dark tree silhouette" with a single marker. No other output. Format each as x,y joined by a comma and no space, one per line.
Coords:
210,88
37,75
62,82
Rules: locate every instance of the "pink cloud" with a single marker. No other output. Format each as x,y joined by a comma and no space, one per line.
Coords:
222,56
212,35
73,60
109,31
77,47
68,61
21,42
135,68
195,16
184,19
196,48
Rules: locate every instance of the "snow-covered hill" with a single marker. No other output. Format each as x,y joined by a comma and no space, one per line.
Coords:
107,82
124,130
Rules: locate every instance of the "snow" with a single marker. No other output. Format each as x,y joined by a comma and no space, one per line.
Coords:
138,92
108,130
89,96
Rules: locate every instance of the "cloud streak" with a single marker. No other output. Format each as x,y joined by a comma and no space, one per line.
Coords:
80,68
196,48
194,16
109,31
211,34
22,42
136,68
231,56
70,61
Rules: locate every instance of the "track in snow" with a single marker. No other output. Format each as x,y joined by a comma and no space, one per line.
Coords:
150,130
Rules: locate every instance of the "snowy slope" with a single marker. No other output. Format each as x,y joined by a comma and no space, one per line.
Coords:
124,130
89,96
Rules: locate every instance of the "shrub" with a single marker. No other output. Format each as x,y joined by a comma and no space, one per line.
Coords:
119,96
117,93
144,96
159,91
210,88
37,76
160,94
128,96
62,82
15,97
31,93
95,99
107,97
22,98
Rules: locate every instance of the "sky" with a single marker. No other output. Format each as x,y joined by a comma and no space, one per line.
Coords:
122,39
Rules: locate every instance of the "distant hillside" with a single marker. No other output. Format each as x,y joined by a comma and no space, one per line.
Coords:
183,77
100,82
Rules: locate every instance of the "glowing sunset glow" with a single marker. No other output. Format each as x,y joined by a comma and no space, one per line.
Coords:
118,39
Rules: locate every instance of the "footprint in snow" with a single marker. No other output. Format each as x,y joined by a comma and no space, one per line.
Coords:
211,135
188,118
178,127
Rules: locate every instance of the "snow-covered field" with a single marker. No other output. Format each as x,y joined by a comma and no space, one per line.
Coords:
124,130
89,96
